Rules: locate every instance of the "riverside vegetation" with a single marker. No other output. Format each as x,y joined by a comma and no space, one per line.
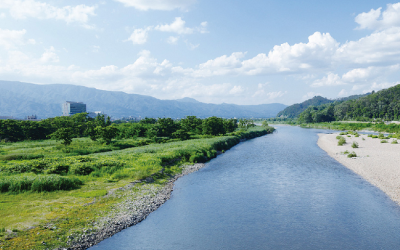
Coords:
51,189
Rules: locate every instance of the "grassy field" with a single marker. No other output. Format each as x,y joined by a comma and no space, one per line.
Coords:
45,187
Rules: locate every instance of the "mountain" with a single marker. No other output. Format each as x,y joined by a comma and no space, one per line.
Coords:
187,99
294,110
20,99
384,104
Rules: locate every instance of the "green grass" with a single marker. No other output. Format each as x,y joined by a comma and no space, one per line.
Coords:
55,186
354,144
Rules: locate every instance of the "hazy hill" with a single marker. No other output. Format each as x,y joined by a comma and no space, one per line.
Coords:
20,99
294,110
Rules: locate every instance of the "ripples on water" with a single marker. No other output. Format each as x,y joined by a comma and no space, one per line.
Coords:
280,191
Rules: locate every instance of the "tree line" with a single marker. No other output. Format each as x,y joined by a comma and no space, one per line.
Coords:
65,128
381,105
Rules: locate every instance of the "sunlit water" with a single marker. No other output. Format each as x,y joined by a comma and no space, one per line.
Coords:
280,191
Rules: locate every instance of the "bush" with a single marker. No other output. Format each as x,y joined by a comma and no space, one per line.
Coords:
338,137
354,145
58,168
341,141
384,141
394,142
370,135
352,154
81,169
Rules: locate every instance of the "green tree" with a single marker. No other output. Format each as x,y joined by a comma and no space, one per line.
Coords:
107,133
63,134
213,126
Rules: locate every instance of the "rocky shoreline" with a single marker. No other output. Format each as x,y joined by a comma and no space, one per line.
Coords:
130,212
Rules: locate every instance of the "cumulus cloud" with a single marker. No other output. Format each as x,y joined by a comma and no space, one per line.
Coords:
49,56
178,26
172,40
158,4
378,48
378,20
139,36
330,79
11,38
21,9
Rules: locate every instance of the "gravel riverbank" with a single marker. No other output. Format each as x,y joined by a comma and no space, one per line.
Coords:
376,162
144,200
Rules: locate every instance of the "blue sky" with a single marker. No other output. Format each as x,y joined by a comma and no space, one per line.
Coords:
242,52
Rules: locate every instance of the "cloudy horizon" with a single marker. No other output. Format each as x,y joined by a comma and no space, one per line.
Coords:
215,52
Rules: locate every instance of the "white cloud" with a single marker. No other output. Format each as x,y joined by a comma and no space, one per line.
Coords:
172,40
378,48
343,93
220,66
139,36
158,4
21,9
299,57
203,28
2,15
191,46
378,86
178,26
378,20
275,95
330,80
236,90
11,38
49,56
369,73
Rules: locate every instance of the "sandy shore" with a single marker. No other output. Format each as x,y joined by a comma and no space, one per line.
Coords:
376,162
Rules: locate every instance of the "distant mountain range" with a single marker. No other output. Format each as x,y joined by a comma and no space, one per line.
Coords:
295,110
20,99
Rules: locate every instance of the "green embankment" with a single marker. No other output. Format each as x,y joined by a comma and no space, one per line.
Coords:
44,187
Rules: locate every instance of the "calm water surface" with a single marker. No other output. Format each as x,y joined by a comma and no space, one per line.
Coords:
280,191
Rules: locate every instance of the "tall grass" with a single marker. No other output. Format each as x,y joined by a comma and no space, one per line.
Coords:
39,183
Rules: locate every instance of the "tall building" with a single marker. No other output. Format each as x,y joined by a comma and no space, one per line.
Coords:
72,108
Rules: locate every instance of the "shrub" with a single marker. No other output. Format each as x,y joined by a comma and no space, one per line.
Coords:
198,157
363,139
354,145
341,141
374,136
370,135
384,141
352,154
58,168
338,137
394,142
346,152
343,133
81,169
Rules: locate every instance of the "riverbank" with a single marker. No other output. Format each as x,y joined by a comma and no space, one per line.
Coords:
133,210
376,162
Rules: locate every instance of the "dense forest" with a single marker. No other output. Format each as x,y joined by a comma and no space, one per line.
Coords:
295,110
382,105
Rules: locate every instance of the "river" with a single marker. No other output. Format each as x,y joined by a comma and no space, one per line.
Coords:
279,191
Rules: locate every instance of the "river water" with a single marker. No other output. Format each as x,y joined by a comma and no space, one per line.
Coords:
279,191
